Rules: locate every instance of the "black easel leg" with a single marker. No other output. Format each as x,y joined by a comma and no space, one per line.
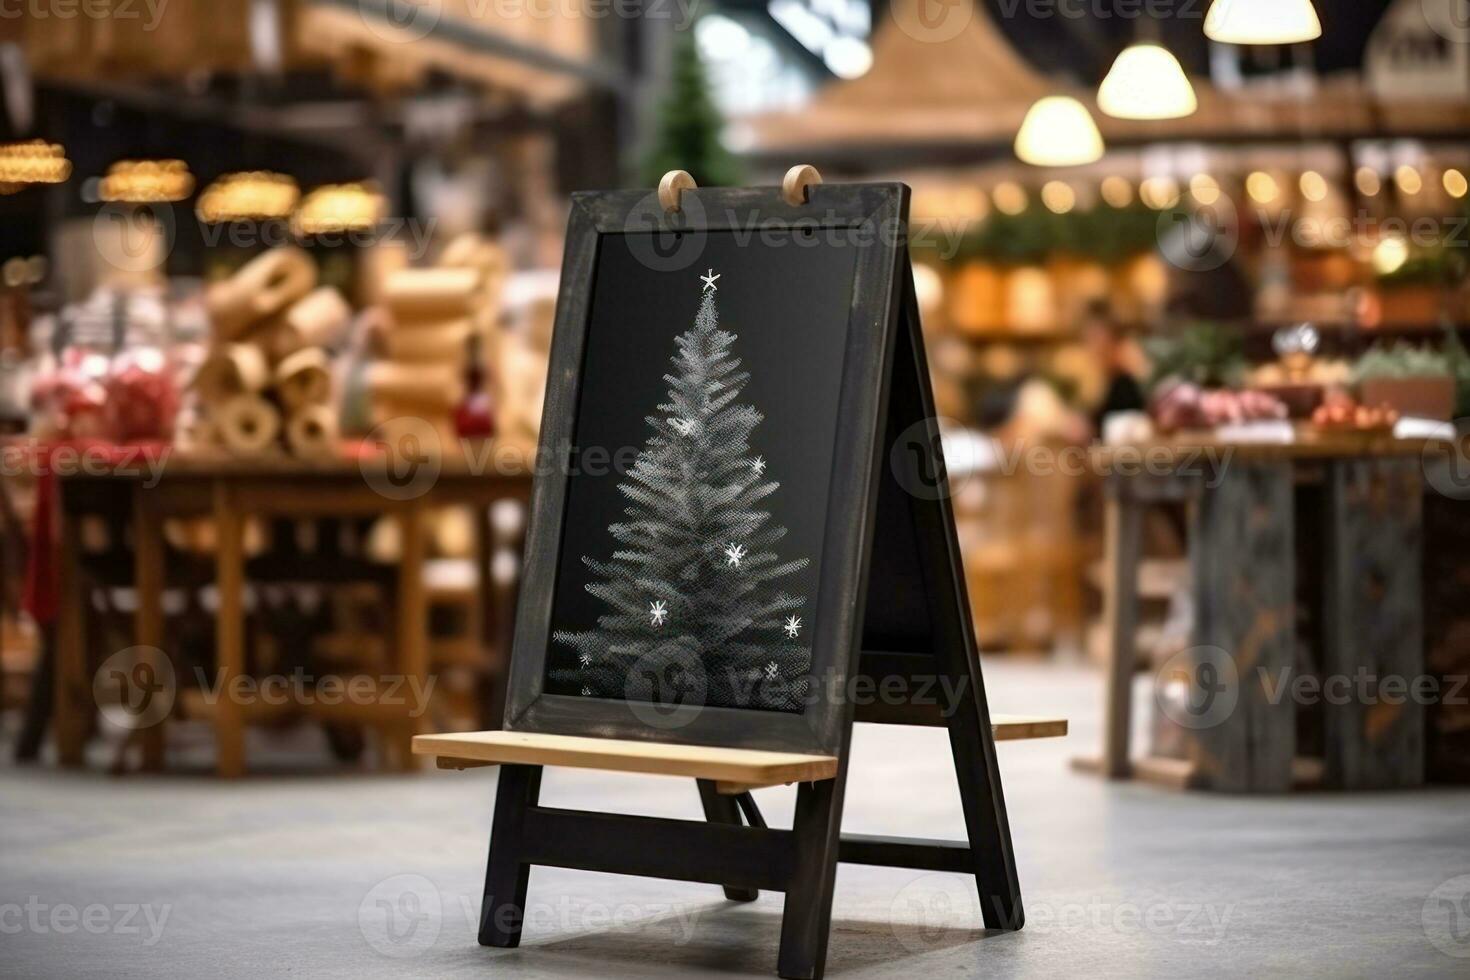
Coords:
807,918
985,822
751,811
506,876
724,809
954,643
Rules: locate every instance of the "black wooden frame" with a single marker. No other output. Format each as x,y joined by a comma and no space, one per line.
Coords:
872,216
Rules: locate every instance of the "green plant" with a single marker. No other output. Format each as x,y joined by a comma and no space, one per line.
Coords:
1102,233
1402,360
1206,354
689,125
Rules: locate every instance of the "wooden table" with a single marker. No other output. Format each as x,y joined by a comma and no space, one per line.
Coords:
1244,528
231,490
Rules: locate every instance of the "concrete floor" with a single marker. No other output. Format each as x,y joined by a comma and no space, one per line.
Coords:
306,873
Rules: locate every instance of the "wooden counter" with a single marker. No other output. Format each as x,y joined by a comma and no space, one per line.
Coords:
1244,521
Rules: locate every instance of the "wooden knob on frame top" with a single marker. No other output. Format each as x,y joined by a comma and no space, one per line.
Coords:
796,185
674,184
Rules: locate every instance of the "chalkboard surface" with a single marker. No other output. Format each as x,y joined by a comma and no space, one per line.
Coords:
689,561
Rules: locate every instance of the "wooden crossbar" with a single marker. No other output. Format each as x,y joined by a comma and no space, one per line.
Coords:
733,771
719,854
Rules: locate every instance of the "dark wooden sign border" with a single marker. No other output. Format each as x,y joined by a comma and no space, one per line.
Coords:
872,218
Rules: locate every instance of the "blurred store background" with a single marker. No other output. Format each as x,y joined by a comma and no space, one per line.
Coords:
252,234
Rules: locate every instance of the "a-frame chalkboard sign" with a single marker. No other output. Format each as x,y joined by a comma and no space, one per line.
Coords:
740,543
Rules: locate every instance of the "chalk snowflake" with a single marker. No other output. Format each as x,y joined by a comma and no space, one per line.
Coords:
585,660
685,427
793,626
758,466
734,554
772,671
586,691
658,612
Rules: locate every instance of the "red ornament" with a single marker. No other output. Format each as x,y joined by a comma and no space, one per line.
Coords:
142,398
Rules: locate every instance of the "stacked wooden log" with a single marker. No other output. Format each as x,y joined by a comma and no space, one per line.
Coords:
433,313
266,384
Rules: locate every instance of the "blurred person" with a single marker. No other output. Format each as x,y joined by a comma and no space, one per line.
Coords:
1120,361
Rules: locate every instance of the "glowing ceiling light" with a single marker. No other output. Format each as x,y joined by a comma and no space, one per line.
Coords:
1059,132
1147,82
335,208
1262,22
1368,181
146,182
256,195
33,162
1058,197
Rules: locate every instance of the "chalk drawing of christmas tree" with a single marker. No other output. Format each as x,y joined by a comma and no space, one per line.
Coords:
696,577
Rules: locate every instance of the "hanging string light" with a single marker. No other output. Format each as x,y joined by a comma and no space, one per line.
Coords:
257,195
1059,197
1010,198
1059,132
32,162
146,182
336,208
1147,82
1117,191
1262,22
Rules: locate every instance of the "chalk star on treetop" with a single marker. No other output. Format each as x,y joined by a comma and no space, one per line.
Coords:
709,281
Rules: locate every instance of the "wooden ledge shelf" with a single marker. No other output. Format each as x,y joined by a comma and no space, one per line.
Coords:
748,768
733,771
